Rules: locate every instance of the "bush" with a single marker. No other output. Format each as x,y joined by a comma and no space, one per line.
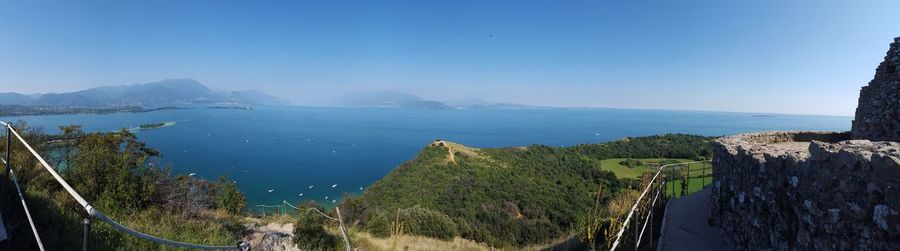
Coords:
631,163
310,234
425,222
379,226
228,197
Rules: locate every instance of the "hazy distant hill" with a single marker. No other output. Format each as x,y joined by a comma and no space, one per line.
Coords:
11,98
162,93
391,99
256,97
394,99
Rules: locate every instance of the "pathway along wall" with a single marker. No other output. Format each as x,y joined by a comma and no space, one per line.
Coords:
796,190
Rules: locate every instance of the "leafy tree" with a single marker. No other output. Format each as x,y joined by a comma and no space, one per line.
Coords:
310,234
228,197
378,225
426,222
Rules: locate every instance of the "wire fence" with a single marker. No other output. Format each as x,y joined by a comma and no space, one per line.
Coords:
643,214
91,211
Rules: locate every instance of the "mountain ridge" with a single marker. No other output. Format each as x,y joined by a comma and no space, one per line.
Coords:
166,92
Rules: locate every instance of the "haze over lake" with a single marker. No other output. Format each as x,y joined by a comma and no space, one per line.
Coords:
288,149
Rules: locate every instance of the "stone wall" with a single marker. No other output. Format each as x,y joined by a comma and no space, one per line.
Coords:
878,112
796,190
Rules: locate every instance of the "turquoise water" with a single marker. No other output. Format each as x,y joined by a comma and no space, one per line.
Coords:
288,149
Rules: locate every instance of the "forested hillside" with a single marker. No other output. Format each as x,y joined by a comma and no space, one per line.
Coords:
118,175
508,196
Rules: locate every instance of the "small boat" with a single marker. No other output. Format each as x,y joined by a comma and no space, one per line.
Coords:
360,188
310,186
326,197
192,174
333,201
333,186
301,194
271,190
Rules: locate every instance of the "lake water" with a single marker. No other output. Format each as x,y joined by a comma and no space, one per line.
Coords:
289,149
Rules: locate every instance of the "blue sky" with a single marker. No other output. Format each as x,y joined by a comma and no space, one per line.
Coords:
807,57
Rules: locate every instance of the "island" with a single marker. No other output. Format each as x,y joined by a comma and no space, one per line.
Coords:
151,126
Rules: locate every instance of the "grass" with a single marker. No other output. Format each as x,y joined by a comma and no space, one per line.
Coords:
365,241
623,171
697,180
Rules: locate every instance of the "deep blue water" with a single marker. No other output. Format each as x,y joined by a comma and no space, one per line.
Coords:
290,148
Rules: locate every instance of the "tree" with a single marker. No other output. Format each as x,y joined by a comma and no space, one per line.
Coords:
309,232
378,225
228,197
70,134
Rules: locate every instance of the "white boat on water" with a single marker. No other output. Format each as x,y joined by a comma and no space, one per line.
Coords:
271,190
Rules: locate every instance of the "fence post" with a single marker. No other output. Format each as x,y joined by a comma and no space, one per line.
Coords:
87,234
703,176
637,217
8,147
343,230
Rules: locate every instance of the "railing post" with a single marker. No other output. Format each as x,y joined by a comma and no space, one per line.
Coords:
87,234
343,230
8,147
637,217
703,177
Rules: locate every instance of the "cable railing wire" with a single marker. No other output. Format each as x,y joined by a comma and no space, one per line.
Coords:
96,213
15,181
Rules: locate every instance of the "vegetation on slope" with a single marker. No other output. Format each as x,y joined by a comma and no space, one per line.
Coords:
113,172
508,196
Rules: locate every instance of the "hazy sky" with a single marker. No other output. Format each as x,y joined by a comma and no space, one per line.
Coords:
807,57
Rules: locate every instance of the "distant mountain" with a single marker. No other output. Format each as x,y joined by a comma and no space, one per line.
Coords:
11,98
479,104
391,99
256,97
162,93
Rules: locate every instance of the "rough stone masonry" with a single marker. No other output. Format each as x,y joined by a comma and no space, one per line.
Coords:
878,112
816,190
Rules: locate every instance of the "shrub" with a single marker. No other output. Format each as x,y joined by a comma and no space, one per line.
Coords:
378,225
310,234
228,197
425,222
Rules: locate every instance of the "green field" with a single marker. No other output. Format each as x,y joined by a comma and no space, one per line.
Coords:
622,171
698,179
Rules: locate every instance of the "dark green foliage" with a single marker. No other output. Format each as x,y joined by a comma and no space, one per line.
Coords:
518,196
152,125
228,197
378,225
631,162
672,146
309,232
352,209
113,172
425,222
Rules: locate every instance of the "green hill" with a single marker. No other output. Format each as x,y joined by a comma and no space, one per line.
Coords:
511,196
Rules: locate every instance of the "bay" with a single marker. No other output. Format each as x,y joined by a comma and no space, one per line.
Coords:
288,149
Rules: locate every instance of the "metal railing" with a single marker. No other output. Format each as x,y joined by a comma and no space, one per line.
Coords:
91,211
642,212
